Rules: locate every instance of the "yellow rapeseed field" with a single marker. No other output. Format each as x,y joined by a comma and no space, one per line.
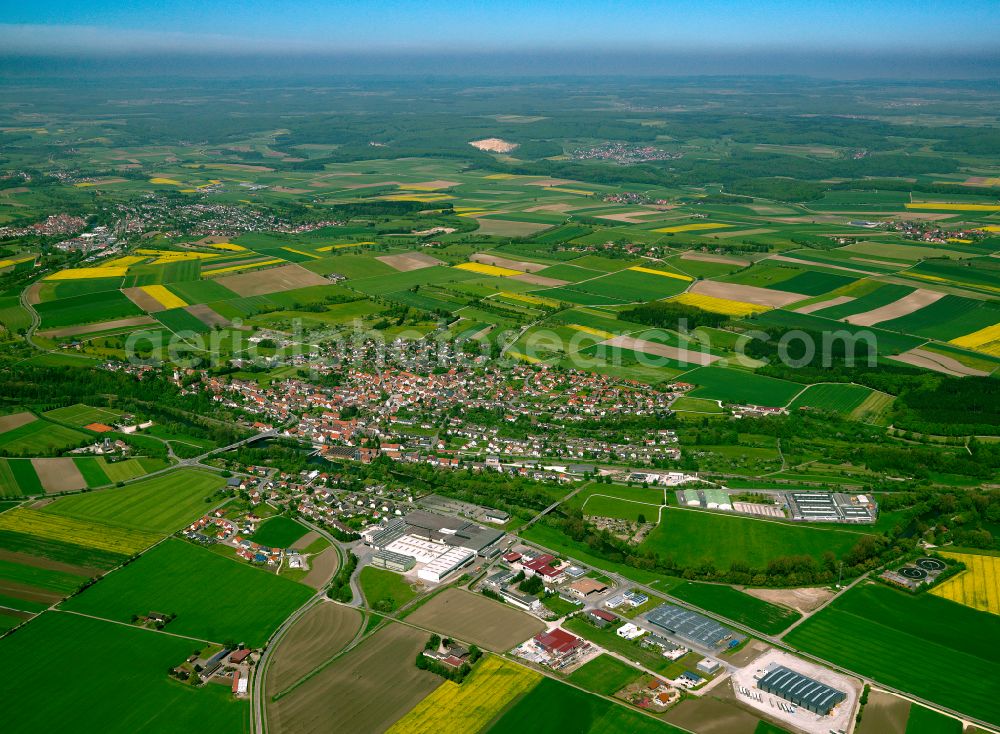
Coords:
85,273
991,228
691,227
947,207
592,331
81,532
484,269
244,266
570,191
977,587
14,261
461,709
160,180
664,273
165,297
719,305
982,340
301,252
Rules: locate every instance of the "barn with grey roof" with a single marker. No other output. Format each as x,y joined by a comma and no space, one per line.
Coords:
800,690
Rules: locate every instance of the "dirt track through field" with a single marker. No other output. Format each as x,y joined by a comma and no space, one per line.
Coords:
407,261
272,280
320,634
746,293
322,566
476,619
662,350
102,326
15,420
938,363
28,593
539,280
906,305
306,540
367,690
58,475
38,562
706,258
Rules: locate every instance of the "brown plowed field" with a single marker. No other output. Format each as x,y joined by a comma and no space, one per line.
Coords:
367,690
320,634
476,619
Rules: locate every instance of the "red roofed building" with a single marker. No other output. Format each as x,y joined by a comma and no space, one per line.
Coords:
557,642
239,656
512,557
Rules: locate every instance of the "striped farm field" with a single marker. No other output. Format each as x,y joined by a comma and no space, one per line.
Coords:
718,305
485,269
946,207
977,587
165,297
691,227
160,504
85,533
469,707
244,266
664,273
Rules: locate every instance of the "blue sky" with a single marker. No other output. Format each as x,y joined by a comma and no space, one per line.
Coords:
334,26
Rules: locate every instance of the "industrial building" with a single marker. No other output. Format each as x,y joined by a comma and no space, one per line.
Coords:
800,690
438,543
393,561
693,627
832,507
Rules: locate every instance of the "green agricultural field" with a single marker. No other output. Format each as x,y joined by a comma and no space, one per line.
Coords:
59,550
40,438
624,509
83,415
948,318
13,316
178,320
92,471
695,405
927,721
119,679
605,675
552,707
39,578
20,478
632,286
200,291
737,386
732,604
890,636
214,598
840,398
877,298
163,504
813,283
122,471
385,591
691,537
278,532
87,309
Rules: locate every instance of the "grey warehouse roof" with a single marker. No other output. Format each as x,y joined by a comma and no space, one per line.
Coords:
690,625
800,689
